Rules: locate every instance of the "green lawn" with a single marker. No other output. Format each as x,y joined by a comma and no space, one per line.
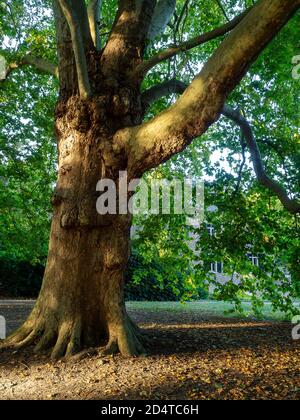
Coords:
210,308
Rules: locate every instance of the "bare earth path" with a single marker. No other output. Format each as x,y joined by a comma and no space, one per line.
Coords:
192,355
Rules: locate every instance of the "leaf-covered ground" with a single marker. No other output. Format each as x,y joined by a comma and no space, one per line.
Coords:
193,355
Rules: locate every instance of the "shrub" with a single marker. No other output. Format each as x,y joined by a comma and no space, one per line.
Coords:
20,279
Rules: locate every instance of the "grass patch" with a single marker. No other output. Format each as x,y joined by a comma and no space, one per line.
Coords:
212,308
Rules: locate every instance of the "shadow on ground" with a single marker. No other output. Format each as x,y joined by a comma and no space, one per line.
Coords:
190,357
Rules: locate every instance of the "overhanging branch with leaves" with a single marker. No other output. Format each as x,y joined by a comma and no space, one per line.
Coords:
178,87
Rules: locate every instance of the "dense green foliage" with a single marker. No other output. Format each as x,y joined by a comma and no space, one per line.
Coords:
20,279
247,213
151,280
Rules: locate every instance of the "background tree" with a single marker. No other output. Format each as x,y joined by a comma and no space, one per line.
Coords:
100,131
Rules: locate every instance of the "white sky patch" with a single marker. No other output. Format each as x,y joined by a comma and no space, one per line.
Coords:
25,121
220,157
9,42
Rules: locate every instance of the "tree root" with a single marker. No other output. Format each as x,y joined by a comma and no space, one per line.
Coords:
65,339
126,339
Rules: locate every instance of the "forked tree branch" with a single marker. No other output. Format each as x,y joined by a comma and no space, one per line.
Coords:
176,86
201,104
78,48
94,14
171,131
147,65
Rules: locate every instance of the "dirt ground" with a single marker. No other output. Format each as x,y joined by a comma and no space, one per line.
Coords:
190,357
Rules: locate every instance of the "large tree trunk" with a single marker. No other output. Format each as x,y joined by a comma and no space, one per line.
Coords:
81,302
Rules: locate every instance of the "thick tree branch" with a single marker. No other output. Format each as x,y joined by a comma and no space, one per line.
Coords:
66,61
125,47
145,66
36,62
176,86
40,64
94,14
78,48
293,206
80,10
163,12
163,89
171,131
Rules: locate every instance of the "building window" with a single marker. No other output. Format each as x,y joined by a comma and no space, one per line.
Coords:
217,267
211,230
254,259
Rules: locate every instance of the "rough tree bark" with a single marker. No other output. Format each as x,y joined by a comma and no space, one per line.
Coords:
81,302
99,133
